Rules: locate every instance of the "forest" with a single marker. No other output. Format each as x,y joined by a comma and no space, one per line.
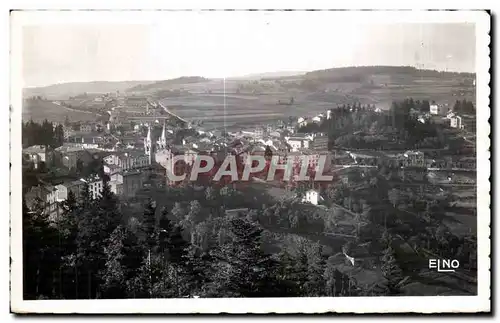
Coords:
189,243
45,133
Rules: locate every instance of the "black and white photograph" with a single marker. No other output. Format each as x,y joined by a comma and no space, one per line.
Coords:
193,161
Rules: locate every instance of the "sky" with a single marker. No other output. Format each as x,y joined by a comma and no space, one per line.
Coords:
230,44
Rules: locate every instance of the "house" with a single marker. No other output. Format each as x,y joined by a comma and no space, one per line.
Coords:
318,118
39,154
313,197
128,160
259,132
63,189
132,182
320,142
438,109
450,115
68,155
86,128
95,186
456,122
298,141
116,184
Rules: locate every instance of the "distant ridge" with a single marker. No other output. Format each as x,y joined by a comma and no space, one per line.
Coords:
337,74
268,75
64,90
340,73
160,84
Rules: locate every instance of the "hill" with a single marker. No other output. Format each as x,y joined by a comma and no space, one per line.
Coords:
359,73
269,75
159,85
65,90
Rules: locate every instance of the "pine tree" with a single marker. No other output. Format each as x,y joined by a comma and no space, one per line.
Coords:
292,275
177,251
315,271
391,271
242,269
40,253
149,225
122,253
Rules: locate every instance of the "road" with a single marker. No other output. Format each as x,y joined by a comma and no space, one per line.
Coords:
170,113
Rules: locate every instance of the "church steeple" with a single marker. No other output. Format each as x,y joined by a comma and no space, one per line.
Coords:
147,142
162,141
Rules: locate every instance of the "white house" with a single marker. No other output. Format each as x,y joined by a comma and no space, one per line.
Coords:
312,196
317,118
298,142
437,109
456,122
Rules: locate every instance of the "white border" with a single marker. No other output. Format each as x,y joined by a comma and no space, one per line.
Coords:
282,305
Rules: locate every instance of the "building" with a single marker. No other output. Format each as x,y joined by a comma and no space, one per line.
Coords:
116,183
69,155
128,160
320,142
438,109
74,186
132,182
95,186
409,159
456,122
68,132
313,197
298,141
86,128
39,154
259,132
137,102
44,196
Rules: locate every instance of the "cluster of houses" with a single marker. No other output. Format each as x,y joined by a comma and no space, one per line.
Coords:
462,122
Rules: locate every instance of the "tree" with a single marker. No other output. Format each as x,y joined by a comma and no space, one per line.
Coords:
268,154
291,275
315,270
178,212
40,252
177,250
391,271
58,136
393,195
338,284
149,225
193,215
242,269
122,252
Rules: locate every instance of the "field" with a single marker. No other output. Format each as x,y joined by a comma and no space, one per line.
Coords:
245,102
232,108
39,110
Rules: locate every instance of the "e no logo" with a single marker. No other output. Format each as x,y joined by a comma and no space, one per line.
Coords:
444,265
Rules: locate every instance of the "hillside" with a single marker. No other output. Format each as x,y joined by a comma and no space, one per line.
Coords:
160,85
359,73
268,75
65,90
